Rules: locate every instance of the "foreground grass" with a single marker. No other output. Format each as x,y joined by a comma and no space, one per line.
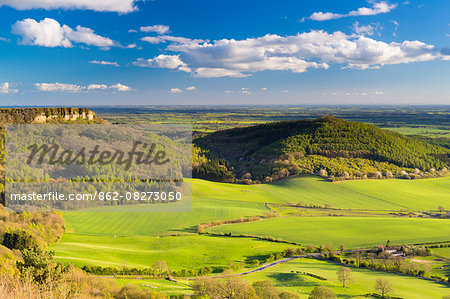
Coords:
348,231
180,252
363,280
159,285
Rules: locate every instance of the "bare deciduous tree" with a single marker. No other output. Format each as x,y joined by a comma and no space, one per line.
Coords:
344,275
383,286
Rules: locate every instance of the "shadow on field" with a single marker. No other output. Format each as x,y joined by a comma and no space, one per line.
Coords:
190,229
292,279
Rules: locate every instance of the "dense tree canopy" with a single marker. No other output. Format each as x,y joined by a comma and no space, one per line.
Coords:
344,149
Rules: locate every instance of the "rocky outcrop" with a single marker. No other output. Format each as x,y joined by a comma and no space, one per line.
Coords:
72,115
46,115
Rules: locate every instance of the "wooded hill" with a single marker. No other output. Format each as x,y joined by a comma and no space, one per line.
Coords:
336,148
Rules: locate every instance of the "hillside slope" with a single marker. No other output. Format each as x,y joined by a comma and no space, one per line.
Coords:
337,147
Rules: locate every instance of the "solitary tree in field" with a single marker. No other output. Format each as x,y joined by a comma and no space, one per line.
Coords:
322,293
441,209
159,267
383,286
341,248
344,275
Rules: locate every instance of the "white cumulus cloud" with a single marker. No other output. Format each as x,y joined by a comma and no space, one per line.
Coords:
120,6
367,30
377,8
316,49
175,90
59,87
102,62
153,39
209,72
163,61
50,33
74,88
5,88
97,86
159,29
121,87
325,16
191,88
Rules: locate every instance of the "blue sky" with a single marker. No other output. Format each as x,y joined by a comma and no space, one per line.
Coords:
124,52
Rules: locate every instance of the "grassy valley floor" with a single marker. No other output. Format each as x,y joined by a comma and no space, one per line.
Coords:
130,237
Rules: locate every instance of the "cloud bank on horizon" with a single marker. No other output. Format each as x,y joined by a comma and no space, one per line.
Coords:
295,53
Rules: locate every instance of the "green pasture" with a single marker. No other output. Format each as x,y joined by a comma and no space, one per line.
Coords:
439,261
348,231
135,221
135,238
394,194
179,252
442,252
424,131
218,201
363,280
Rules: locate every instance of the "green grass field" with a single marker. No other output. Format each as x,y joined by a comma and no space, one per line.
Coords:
348,231
179,252
363,280
113,222
217,201
392,194
131,239
424,131
442,252
439,261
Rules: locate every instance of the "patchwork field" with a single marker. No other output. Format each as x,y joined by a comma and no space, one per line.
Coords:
112,238
217,201
348,231
366,194
362,283
180,252
113,221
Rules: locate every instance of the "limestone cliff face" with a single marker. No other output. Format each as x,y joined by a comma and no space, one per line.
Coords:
46,115
73,114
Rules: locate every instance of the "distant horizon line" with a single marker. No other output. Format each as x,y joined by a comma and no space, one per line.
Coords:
224,105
